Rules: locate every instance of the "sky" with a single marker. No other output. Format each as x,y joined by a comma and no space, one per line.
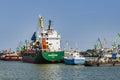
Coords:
80,22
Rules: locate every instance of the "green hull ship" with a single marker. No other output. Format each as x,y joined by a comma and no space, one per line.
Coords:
44,47
42,57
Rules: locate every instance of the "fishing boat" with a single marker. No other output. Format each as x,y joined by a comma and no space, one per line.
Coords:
44,46
73,57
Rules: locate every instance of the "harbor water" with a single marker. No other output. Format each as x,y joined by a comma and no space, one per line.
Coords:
17,70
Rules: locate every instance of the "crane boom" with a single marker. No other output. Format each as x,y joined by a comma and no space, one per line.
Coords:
102,43
115,43
41,23
96,45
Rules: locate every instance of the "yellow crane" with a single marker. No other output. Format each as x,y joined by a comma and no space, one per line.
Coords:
40,26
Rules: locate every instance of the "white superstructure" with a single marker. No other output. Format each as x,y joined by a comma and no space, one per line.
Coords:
50,36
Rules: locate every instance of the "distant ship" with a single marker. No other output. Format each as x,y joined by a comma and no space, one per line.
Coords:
73,57
8,55
45,46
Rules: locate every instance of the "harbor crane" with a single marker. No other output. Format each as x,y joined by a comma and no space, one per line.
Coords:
102,43
115,43
96,45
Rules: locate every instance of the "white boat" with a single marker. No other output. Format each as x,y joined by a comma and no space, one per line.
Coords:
73,57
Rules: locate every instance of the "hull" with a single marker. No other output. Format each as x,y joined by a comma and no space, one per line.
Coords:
11,57
42,57
74,61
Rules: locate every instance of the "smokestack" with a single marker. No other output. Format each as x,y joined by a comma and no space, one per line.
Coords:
49,25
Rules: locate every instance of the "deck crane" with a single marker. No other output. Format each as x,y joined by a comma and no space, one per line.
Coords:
36,36
20,47
40,26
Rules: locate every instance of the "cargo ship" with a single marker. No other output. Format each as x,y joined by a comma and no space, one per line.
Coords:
44,46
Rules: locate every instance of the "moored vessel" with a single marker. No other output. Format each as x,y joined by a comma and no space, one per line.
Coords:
73,57
10,56
44,46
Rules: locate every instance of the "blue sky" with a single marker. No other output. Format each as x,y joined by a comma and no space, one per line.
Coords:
80,22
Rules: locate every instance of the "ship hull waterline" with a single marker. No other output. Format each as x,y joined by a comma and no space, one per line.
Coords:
43,57
74,61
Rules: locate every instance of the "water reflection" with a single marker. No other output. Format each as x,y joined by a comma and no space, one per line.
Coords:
15,70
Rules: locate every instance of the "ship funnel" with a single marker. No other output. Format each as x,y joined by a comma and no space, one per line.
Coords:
49,25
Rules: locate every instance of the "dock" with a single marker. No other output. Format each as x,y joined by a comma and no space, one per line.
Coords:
93,61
